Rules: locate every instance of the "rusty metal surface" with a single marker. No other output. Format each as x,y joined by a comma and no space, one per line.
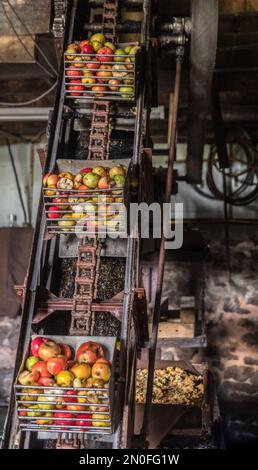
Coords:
36,19
109,18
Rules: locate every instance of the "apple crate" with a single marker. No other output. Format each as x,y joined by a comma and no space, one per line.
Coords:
87,212
93,80
38,420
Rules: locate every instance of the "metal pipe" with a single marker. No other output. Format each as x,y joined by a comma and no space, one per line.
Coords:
161,262
127,27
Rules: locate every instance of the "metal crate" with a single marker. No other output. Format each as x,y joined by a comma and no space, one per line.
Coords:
56,393
103,220
88,95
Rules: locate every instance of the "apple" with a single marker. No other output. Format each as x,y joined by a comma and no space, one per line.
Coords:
49,349
101,371
98,37
48,192
116,170
99,170
96,45
74,407
78,62
87,49
104,54
65,378
61,203
133,51
45,418
65,183
66,174
53,212
76,90
63,419
71,72
104,73
72,49
28,378
94,383
119,53
104,183
66,350
96,417
126,92
91,180
89,352
78,211
102,360
81,371
129,64
33,414
50,179
110,45
56,364
129,79
83,420
119,71
41,368
22,413
65,222
120,180
30,362
46,381
84,43
94,64
88,81
70,399
114,84
99,89
44,406
85,170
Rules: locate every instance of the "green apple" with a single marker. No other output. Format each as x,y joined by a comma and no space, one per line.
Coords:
119,53
129,79
98,37
120,180
91,180
133,51
126,92
96,45
43,405
30,362
33,414
110,45
116,170
127,49
99,170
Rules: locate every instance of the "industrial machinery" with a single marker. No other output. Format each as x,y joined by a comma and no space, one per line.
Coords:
113,126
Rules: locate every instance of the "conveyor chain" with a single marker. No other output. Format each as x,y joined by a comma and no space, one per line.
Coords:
100,131
110,11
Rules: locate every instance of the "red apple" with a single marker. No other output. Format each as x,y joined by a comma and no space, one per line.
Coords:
104,54
50,179
87,49
46,381
92,65
73,73
35,344
99,89
84,43
53,212
49,349
66,419
89,352
68,398
56,364
102,360
61,203
41,368
85,170
76,90
66,350
104,73
81,420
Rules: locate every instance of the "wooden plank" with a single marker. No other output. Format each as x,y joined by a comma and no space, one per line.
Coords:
233,7
175,329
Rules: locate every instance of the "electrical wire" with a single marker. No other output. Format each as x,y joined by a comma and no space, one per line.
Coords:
31,36
22,43
17,181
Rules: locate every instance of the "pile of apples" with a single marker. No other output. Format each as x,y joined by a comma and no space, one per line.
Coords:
92,205
100,66
51,364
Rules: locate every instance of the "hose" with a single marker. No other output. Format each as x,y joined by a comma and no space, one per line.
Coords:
246,177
